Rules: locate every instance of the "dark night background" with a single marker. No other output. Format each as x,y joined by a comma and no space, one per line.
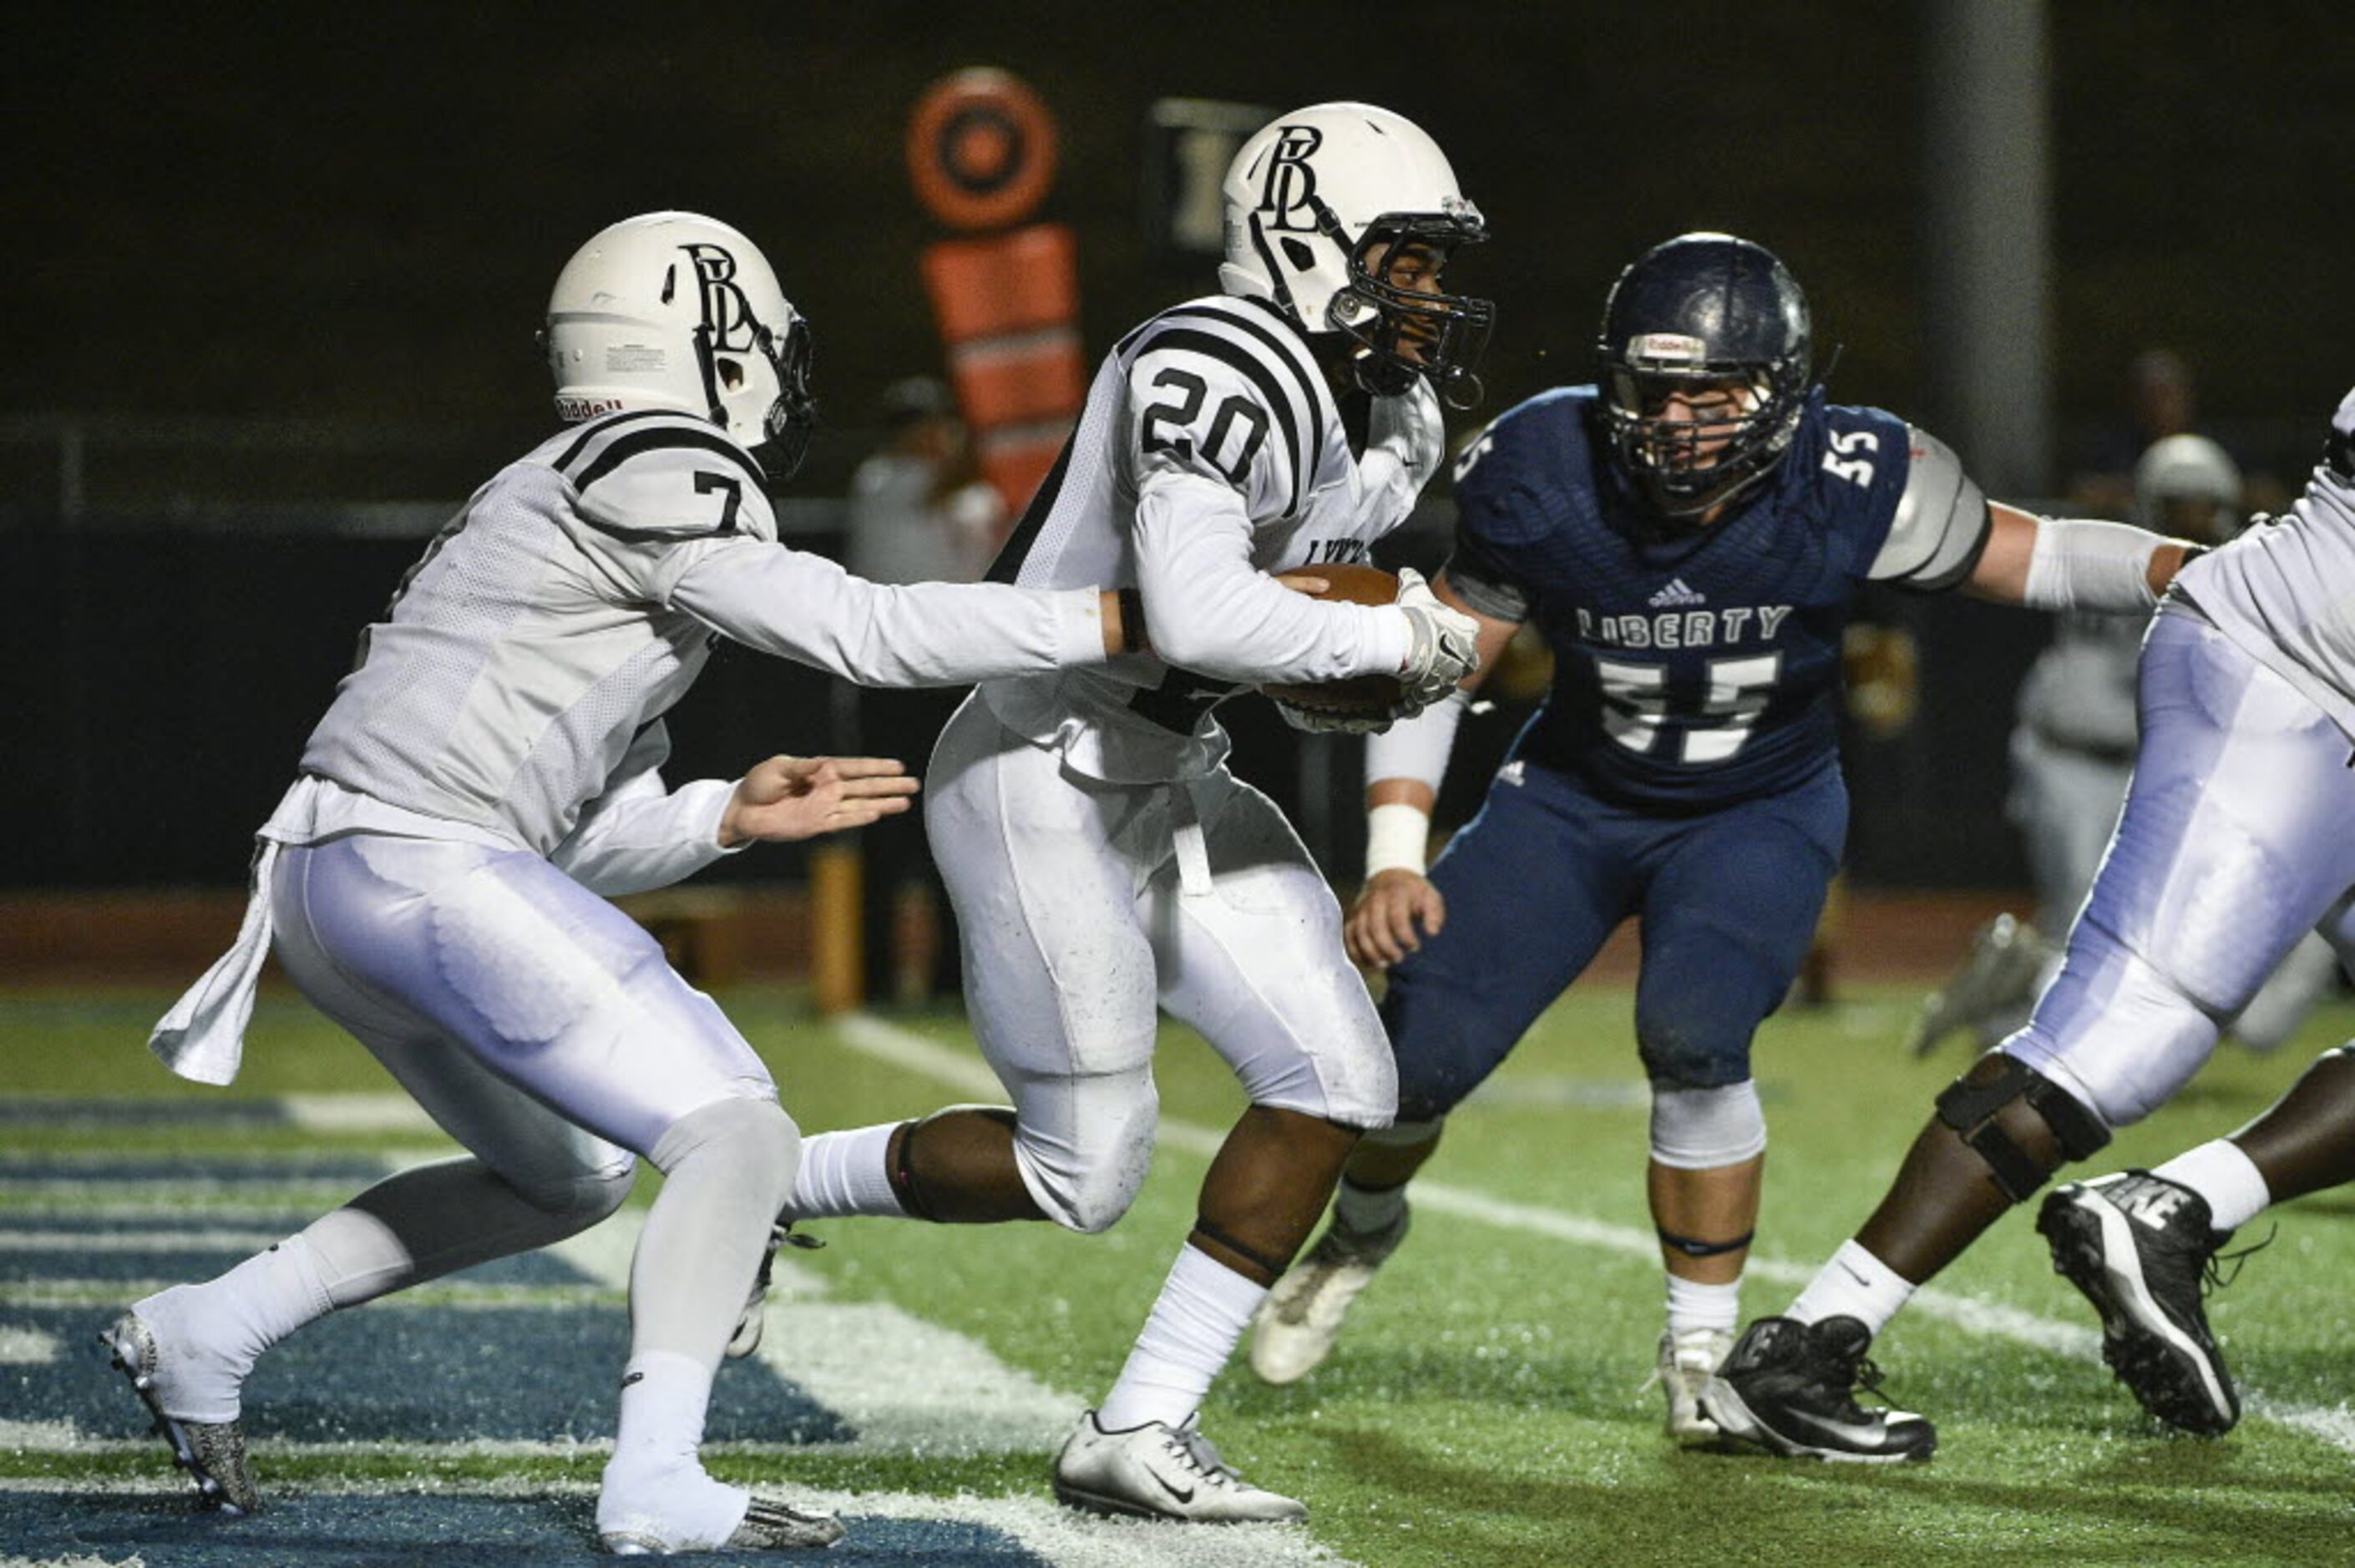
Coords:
268,260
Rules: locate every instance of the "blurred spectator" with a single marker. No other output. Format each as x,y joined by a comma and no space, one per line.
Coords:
2161,402
2073,753
920,512
919,509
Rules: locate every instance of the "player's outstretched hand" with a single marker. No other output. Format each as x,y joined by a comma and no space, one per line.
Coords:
1443,646
801,797
1392,915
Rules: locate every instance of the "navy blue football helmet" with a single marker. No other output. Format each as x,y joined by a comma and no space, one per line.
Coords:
1703,310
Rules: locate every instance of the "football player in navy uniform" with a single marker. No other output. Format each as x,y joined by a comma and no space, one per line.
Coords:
2232,846
1688,536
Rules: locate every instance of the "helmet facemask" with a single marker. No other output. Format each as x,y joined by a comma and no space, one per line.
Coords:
779,401
1690,462
1401,332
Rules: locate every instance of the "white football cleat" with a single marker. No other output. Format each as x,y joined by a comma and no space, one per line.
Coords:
768,1525
1160,1471
1687,1358
1302,1316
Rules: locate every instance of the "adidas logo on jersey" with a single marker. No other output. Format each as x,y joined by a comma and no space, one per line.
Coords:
1675,595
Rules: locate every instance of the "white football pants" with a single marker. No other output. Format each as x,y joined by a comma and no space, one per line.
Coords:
534,1021
1082,903
2233,844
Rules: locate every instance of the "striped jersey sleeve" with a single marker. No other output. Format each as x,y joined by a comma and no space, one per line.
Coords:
653,490
1217,392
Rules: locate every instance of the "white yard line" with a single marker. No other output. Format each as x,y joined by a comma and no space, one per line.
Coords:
22,1347
966,1072
905,1385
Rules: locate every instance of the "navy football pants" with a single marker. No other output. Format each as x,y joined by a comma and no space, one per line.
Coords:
1727,901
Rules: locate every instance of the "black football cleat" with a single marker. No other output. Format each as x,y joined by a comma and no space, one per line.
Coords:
1790,1388
2141,1249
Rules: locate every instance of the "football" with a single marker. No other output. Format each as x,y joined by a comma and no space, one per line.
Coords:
1360,694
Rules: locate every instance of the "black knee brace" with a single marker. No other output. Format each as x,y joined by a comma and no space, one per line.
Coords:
1971,1109
1691,1247
902,1171
1209,1232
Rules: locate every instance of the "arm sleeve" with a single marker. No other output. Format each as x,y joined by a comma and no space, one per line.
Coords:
1209,609
636,835
1213,440
805,608
1941,524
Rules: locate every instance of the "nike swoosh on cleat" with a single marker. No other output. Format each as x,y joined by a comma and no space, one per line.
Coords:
1185,1497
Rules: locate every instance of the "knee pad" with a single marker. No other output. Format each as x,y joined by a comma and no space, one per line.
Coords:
756,1133
1706,1128
1088,1180
1971,1109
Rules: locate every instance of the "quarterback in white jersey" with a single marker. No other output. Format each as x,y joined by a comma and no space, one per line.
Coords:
1101,856
432,879
2233,844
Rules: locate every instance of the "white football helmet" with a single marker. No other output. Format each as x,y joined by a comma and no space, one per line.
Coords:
670,310
2188,483
1315,199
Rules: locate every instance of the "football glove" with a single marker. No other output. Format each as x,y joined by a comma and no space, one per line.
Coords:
1443,646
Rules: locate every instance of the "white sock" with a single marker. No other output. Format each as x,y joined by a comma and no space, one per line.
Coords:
2224,1175
1695,1305
208,1336
1203,1310
1854,1283
846,1173
655,1486
1368,1209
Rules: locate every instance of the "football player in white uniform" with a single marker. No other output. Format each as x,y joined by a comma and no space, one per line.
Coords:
2232,846
1099,855
2071,754
486,772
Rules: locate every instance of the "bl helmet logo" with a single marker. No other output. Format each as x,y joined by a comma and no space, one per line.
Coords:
727,314
1290,183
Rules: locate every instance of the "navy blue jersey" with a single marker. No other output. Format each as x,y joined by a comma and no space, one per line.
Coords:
1692,667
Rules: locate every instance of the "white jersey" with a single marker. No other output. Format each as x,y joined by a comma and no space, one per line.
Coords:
1210,453
524,666
2285,592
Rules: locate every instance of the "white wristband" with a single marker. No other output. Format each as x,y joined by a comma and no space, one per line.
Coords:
2079,563
1398,838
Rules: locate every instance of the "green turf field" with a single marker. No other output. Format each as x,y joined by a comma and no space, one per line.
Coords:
1485,1406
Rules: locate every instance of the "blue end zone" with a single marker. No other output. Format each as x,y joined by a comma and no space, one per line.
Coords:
384,1373
447,1531
388,1374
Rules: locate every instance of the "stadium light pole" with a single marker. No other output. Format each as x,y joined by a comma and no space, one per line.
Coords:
1988,227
